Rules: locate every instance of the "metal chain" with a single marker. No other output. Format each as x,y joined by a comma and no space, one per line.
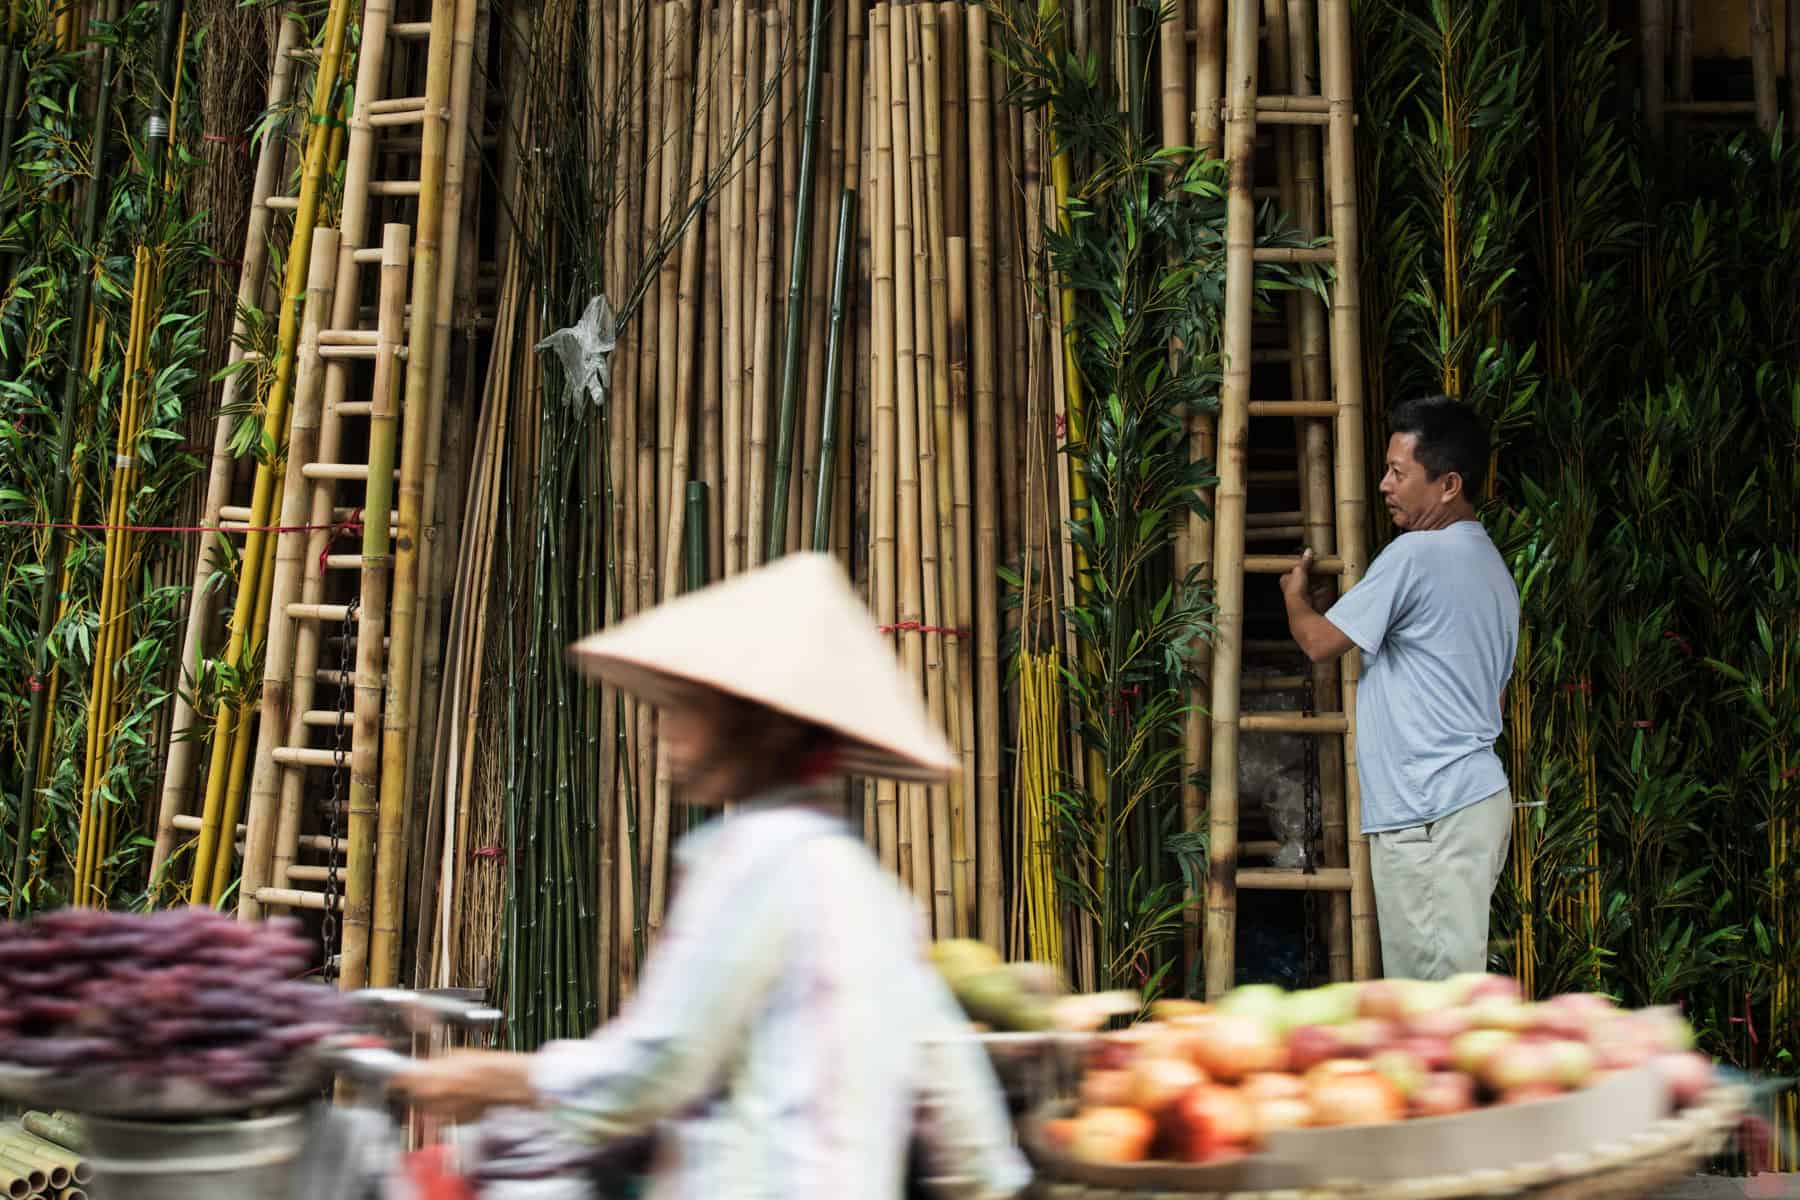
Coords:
1314,836
334,812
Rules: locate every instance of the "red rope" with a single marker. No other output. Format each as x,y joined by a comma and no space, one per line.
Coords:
352,523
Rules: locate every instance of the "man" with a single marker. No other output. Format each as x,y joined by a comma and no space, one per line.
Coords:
1437,621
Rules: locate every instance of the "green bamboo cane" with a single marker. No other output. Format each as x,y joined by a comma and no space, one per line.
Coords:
834,368
37,728
694,546
797,274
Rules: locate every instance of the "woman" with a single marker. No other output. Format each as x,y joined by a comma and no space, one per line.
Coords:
787,1038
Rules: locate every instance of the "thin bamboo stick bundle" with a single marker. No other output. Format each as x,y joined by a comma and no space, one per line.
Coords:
884,366
762,380
737,301
363,809
713,302
1346,367
983,353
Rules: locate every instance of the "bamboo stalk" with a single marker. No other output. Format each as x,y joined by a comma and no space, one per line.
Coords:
858,173
713,301
990,913
1791,20
675,144
364,808
828,171
885,367
1346,364
826,471
1652,33
1228,529
762,338
736,300
1762,65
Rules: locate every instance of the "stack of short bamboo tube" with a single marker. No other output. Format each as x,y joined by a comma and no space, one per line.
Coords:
42,1155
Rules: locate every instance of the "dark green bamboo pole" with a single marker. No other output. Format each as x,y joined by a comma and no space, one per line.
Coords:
797,273
834,367
37,729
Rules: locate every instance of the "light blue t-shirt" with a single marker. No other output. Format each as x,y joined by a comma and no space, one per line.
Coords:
1437,620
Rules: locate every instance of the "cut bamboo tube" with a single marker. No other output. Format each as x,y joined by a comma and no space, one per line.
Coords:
762,379
277,715
1228,529
990,913
1346,366
362,817
885,367
179,770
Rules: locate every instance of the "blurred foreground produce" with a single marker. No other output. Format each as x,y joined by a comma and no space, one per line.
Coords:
164,1007
1201,1083
1020,997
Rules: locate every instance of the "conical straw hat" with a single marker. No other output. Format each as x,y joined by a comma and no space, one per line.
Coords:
792,636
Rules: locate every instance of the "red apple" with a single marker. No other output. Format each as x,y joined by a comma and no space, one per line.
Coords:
1402,999
1475,986
1111,1135
1355,1098
1688,1074
1366,1035
1519,1064
1443,1023
1622,1042
1158,1081
1442,1093
1059,1131
1499,1012
1272,1085
1229,1048
1573,1062
1312,1044
1529,1093
1210,1118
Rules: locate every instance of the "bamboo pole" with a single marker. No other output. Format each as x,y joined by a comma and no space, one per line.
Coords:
1346,365
364,807
829,171
826,472
420,412
675,144
1228,529
762,358
965,799
736,301
1762,65
885,367
713,302
990,913
179,769
1791,21
1177,121
1653,26
858,174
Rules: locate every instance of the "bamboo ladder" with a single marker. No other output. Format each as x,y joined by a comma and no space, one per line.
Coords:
1325,469
1665,98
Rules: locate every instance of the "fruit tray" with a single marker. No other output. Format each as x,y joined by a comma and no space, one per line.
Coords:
1632,1153
106,1092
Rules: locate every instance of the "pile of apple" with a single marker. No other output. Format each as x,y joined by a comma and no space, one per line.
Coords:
1202,1083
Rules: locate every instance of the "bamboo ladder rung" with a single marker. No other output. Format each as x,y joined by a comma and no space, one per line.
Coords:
366,256
1293,879
294,898
410,30
1290,722
401,117
1274,683
348,337
404,188
1293,408
360,408
354,562
310,756
350,352
324,718
282,203
355,472
1265,520
1710,108
311,874
342,678
190,823
397,104
1294,254
318,612
1275,533
1273,477
1281,564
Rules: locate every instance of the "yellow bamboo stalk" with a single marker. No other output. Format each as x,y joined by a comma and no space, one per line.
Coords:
884,369
762,379
363,824
419,414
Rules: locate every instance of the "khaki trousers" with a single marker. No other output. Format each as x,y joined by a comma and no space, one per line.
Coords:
1434,885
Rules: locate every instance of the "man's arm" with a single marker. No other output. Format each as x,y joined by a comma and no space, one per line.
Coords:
1319,638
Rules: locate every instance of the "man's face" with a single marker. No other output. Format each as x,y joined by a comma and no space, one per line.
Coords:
1415,500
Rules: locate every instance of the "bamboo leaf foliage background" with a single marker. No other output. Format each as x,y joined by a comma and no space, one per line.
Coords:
1629,328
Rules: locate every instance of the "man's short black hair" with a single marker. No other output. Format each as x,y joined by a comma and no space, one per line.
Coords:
1451,437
